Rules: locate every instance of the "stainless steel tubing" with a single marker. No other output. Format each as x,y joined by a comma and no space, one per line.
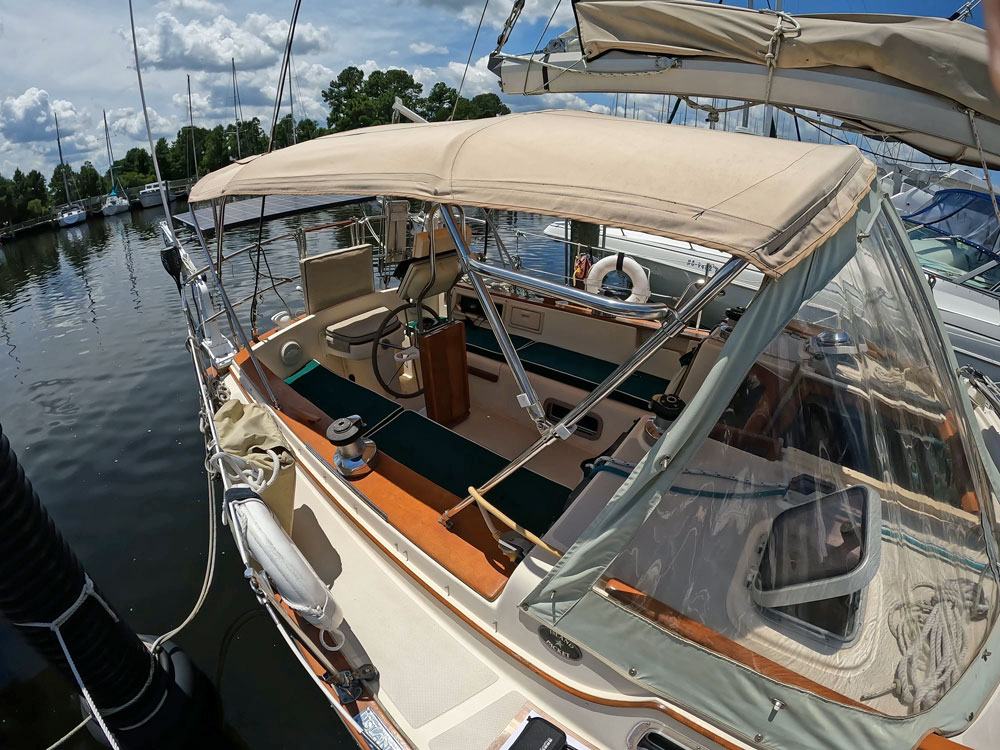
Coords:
667,330
527,399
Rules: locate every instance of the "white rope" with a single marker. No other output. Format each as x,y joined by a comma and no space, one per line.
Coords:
932,639
206,583
240,471
774,46
55,626
70,734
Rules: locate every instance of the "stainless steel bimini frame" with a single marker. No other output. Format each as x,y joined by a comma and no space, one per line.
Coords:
672,323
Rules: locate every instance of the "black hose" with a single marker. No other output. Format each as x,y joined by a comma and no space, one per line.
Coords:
40,578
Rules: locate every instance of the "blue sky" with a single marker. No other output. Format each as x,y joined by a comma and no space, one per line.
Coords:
75,59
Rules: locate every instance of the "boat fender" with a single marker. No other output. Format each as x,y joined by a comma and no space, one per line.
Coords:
295,579
628,266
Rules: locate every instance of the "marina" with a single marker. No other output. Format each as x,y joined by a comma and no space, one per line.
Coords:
640,391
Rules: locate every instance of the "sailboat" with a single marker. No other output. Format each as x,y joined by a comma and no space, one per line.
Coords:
115,202
484,509
71,213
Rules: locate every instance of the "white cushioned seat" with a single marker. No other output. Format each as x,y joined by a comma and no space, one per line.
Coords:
352,338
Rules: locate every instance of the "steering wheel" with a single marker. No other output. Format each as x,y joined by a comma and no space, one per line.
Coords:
379,344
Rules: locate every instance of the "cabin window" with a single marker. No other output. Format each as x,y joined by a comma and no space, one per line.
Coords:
817,560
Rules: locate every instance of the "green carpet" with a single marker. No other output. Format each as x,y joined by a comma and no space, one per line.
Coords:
339,397
454,462
586,372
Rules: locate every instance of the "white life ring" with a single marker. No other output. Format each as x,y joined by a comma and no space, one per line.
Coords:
288,569
625,264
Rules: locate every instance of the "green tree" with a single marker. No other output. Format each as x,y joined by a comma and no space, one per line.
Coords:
439,103
306,130
57,186
162,151
345,99
357,102
138,160
36,208
214,149
283,133
487,105
89,182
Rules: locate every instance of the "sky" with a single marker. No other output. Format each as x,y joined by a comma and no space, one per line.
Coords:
74,59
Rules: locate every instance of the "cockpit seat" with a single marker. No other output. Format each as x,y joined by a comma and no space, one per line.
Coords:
353,337
415,275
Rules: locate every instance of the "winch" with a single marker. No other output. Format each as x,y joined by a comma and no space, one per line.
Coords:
355,453
666,407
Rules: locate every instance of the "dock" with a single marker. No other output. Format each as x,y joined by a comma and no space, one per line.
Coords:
247,211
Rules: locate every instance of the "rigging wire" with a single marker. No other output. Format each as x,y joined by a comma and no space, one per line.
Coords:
145,114
270,145
475,38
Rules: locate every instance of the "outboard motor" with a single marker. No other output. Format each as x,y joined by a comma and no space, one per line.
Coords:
355,453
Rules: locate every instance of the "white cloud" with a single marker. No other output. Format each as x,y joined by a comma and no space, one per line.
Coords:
497,13
204,7
130,122
256,42
426,48
29,117
478,79
201,104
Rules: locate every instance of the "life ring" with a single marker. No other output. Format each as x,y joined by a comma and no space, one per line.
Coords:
625,264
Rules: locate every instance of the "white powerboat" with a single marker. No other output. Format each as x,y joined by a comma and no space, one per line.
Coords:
149,196
480,506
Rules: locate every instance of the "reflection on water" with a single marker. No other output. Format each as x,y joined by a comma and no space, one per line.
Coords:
99,401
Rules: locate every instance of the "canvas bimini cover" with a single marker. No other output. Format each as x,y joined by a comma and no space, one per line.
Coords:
767,201
897,76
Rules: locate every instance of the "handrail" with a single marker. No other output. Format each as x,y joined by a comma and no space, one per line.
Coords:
290,235
600,303
284,280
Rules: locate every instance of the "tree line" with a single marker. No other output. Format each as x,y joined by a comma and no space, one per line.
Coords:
355,101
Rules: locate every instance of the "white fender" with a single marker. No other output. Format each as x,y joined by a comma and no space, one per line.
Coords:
287,568
607,264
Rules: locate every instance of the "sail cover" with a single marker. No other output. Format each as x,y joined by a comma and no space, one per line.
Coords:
948,58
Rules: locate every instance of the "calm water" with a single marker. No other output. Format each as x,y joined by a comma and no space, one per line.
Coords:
98,399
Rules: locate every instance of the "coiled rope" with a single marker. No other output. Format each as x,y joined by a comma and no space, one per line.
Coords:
931,636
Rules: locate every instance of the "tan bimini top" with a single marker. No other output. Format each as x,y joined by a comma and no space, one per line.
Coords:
769,201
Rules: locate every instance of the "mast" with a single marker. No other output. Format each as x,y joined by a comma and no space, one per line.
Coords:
194,150
111,158
291,105
236,111
61,162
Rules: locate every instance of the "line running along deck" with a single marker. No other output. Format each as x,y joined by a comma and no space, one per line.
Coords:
247,211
